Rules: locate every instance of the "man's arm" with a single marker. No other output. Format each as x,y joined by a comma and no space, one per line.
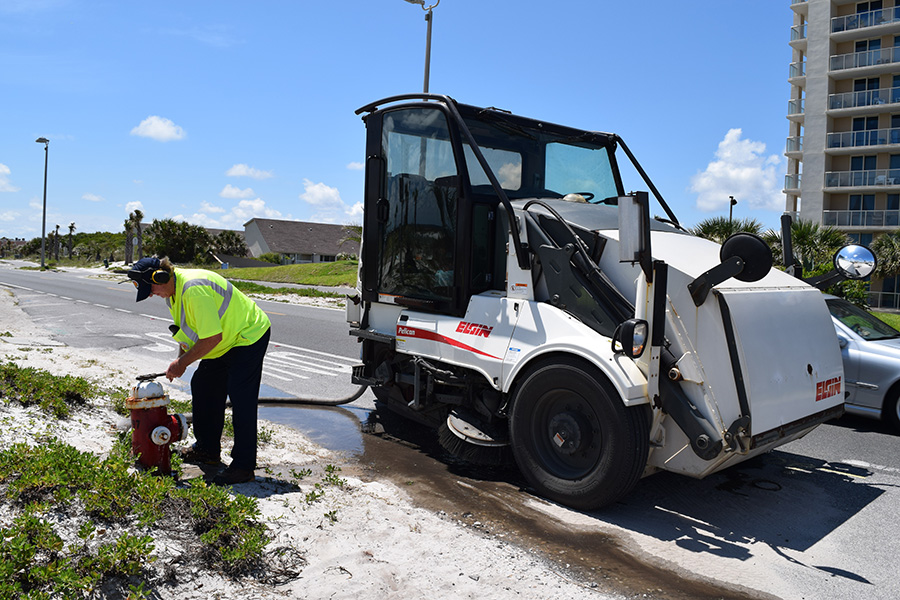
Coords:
203,347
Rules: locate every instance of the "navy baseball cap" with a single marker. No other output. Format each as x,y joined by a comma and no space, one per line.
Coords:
141,274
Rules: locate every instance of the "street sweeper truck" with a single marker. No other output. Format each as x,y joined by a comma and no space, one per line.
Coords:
514,295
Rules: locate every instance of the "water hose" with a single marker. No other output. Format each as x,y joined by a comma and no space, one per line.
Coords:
316,401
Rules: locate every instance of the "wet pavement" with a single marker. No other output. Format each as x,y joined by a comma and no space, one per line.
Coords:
492,500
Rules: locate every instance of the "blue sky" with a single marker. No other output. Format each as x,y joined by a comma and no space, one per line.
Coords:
216,112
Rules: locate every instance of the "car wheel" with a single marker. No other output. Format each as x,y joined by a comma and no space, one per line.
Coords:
573,438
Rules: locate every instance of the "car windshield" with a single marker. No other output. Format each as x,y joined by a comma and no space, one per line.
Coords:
862,323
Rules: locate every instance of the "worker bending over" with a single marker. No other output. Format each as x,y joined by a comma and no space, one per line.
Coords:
229,334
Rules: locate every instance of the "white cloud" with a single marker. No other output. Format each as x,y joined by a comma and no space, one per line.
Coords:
233,219
230,191
93,197
159,129
130,207
321,195
9,216
5,185
211,208
331,208
356,166
742,170
242,170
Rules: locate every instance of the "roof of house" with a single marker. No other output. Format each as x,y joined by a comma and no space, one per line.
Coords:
299,237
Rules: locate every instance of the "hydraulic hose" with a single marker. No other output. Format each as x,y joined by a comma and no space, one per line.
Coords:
316,401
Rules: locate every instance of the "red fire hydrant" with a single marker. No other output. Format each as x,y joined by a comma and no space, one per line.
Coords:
153,430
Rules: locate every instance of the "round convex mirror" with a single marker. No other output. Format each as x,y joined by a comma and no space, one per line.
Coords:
854,262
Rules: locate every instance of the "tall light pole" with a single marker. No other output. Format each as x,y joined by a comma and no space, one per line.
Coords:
730,207
46,143
429,18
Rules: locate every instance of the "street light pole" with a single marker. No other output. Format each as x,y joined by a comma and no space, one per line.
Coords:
731,206
46,143
429,18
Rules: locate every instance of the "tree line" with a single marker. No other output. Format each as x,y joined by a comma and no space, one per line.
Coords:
182,242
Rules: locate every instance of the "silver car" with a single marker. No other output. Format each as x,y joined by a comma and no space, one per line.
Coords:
871,352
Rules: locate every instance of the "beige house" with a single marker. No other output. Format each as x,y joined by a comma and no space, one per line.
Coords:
843,146
298,241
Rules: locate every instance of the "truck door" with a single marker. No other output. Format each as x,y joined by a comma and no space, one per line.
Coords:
412,220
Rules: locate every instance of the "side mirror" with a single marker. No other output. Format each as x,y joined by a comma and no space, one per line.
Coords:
630,338
854,262
850,262
745,256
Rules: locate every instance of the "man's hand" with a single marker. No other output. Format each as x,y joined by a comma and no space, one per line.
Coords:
203,347
175,369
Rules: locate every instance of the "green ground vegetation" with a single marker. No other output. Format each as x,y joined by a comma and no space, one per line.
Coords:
120,511
892,319
338,273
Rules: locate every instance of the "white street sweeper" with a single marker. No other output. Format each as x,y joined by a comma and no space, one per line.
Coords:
514,296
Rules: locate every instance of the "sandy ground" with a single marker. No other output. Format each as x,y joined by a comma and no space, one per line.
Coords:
363,540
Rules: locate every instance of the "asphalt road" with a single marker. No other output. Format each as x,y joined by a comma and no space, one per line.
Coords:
815,519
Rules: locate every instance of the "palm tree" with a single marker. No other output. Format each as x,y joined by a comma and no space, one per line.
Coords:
128,248
71,231
719,229
887,249
814,246
137,216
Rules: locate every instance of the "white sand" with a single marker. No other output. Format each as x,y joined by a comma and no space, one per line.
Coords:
379,546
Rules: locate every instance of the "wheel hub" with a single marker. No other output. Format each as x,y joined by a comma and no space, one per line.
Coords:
569,433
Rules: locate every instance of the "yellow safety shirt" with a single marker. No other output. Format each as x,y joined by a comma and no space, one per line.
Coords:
206,304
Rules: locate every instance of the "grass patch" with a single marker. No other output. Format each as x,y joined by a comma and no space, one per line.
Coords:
54,489
53,479
54,394
255,288
891,319
338,273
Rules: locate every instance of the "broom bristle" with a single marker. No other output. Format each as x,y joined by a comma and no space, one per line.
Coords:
477,454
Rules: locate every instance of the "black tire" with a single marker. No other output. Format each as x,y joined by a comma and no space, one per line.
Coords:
891,409
573,438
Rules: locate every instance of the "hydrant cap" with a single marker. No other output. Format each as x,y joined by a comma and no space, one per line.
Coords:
149,389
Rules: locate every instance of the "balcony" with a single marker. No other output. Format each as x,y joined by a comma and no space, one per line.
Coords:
797,69
871,18
870,58
792,182
873,178
861,218
857,139
866,98
794,145
797,106
798,32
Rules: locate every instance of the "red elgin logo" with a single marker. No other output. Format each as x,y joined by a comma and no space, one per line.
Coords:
473,329
828,388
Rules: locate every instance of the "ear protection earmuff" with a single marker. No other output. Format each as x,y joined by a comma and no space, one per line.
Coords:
159,277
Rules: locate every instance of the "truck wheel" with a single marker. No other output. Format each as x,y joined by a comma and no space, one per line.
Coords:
573,438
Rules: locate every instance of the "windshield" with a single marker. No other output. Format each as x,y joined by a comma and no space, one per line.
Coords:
862,323
536,161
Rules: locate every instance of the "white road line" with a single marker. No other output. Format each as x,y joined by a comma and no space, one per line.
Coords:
101,305
326,354
292,360
82,302
268,374
157,318
123,310
65,297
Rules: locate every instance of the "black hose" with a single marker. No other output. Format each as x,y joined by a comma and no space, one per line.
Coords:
316,401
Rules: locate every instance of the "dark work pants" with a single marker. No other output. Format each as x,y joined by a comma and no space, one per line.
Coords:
236,375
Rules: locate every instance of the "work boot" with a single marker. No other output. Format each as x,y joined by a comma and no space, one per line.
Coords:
198,456
233,475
